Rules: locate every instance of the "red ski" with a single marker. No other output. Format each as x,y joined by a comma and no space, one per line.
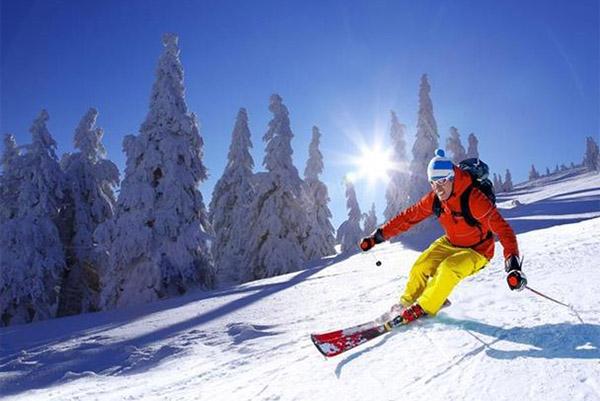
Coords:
338,341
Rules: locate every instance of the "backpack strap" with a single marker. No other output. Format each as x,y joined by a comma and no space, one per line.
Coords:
469,219
464,207
466,211
437,206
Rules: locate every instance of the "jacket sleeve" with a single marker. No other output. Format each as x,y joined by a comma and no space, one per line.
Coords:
486,212
409,217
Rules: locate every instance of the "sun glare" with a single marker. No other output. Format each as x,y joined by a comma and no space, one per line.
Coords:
373,164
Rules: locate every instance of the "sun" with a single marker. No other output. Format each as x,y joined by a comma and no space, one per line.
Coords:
373,164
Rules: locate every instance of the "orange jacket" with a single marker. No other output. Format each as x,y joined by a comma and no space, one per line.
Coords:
458,232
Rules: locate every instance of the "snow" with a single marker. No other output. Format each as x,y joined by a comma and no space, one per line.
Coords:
251,341
565,197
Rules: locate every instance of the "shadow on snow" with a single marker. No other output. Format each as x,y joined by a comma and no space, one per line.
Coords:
548,341
46,357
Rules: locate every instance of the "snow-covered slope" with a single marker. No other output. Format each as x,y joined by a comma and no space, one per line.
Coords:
251,342
560,198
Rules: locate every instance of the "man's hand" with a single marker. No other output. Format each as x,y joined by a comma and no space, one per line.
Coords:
512,263
516,279
372,240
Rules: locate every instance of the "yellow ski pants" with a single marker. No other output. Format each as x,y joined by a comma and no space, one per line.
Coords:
437,271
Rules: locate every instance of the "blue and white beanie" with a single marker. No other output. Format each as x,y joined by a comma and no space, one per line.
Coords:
440,166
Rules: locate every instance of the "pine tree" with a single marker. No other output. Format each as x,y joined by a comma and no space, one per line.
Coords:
591,159
533,173
158,239
349,233
508,184
423,151
370,221
278,222
398,187
231,199
11,151
91,181
496,183
473,151
547,171
321,240
31,253
454,145
425,144
9,180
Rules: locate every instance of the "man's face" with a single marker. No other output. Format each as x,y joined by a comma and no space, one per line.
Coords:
443,188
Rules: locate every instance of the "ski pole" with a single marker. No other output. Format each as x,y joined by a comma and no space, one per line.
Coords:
554,300
365,246
377,261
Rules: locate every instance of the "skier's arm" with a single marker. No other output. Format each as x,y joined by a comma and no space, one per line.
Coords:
409,217
485,211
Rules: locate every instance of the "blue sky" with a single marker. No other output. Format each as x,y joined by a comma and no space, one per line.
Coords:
521,75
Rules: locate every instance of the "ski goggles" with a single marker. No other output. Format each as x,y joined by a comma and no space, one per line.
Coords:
441,181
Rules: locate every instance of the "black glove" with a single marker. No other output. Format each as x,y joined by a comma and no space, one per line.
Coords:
512,263
516,279
372,240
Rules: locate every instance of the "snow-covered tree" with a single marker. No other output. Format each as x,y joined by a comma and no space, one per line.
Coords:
349,233
91,181
321,240
10,179
158,240
31,252
397,191
508,184
278,222
473,150
425,144
533,173
370,224
496,183
591,159
454,145
547,171
423,151
556,169
230,202
11,151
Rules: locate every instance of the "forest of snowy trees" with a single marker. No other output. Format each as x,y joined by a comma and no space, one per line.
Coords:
70,245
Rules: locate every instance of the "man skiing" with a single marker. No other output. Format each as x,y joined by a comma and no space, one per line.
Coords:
466,247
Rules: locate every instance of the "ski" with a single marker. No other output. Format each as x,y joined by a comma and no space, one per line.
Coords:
338,341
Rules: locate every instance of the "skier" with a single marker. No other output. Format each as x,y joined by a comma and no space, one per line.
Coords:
463,251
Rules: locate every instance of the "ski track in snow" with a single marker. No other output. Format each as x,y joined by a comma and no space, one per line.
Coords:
250,342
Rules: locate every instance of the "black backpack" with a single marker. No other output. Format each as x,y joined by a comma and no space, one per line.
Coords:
479,172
